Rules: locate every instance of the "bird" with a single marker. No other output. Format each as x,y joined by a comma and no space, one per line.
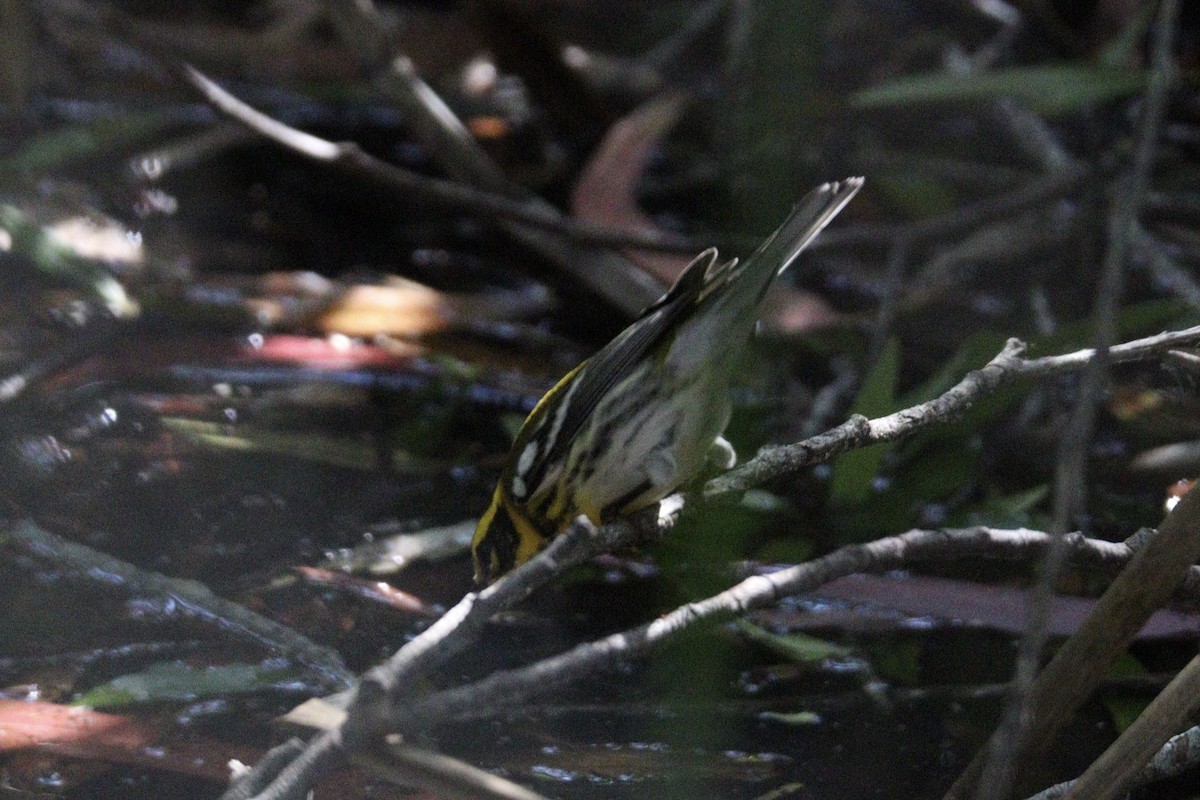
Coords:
644,415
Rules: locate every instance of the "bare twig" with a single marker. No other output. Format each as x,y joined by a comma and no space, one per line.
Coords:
194,598
349,157
1111,775
189,150
387,553
380,700
506,689
1006,367
1180,754
394,682
249,782
1081,663
858,431
999,774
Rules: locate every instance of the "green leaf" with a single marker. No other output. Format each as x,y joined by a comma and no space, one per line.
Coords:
55,259
854,472
1047,89
932,470
898,662
175,682
797,647
1008,511
1124,710
787,550
87,140
1122,50
915,195
795,719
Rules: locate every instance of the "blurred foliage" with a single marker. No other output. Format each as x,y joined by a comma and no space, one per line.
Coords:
180,451
1051,90
173,682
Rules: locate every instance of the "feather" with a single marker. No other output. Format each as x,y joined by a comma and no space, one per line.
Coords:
616,360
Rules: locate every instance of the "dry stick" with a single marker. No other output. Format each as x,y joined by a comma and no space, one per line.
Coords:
608,275
1163,718
1180,754
192,597
509,688
1007,367
350,158
369,716
249,782
189,150
1114,773
502,689
1082,662
859,431
1008,744
382,686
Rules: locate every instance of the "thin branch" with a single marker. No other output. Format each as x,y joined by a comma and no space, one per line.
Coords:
192,597
1180,754
350,158
858,431
1111,775
1136,350
385,685
1083,660
380,699
1007,367
247,782
506,689
1012,737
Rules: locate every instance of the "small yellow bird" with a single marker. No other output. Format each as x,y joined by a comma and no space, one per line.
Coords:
645,414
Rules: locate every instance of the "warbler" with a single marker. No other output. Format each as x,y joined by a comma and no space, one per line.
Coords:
645,414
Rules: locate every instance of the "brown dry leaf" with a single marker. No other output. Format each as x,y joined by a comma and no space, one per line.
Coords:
48,728
404,308
606,194
84,733
398,308
375,591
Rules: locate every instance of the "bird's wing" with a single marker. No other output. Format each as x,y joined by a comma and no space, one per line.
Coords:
613,363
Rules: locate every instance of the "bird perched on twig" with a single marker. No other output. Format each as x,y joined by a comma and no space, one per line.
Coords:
645,414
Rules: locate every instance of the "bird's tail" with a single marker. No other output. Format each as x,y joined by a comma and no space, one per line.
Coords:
743,288
808,218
